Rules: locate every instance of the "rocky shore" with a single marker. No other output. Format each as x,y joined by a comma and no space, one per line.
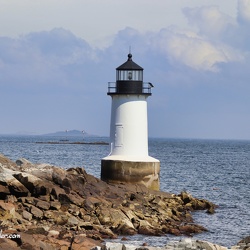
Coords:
184,244
47,207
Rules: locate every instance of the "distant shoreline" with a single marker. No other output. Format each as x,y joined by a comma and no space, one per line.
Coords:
65,142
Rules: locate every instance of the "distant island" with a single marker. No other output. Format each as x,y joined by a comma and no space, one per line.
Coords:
70,133
67,134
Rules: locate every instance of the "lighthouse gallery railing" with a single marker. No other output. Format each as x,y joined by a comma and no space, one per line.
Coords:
146,88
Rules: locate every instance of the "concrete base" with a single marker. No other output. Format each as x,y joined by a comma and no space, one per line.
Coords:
134,172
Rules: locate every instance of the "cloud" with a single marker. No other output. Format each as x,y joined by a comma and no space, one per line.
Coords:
209,20
193,50
244,11
60,46
219,28
41,57
51,79
215,38
55,80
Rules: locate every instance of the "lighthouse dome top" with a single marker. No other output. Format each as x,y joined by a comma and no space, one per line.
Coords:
129,64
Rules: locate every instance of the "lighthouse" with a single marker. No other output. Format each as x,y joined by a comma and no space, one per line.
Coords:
129,161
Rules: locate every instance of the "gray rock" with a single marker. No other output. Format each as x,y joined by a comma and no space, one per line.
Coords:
26,215
56,205
96,248
73,221
23,161
37,213
7,179
114,246
190,244
43,205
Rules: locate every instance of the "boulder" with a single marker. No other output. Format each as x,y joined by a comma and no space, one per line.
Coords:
80,243
55,205
23,162
44,205
146,228
10,184
27,241
36,212
8,244
116,219
4,191
243,244
26,215
207,245
72,221
35,185
9,164
190,229
245,240
7,211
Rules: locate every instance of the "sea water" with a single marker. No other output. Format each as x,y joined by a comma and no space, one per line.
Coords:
216,170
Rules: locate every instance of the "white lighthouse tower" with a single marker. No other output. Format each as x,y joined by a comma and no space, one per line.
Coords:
128,161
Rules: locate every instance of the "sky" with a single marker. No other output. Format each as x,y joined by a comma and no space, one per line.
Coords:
57,57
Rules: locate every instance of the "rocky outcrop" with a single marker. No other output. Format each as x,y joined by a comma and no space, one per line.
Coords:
184,244
53,208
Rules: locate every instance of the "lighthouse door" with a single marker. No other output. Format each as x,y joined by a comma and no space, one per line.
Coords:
118,135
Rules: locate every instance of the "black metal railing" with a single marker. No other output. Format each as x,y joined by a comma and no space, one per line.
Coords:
145,89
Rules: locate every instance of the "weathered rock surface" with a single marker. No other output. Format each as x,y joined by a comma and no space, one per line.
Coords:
53,208
184,244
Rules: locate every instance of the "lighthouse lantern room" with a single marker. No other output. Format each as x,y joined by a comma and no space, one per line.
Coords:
128,161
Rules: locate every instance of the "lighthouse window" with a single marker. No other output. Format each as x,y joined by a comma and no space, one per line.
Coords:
140,76
130,75
124,75
136,75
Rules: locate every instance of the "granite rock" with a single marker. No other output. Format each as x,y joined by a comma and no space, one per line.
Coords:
37,200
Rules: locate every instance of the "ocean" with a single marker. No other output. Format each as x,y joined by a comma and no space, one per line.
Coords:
216,170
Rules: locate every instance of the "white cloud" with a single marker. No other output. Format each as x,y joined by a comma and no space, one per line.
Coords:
94,20
203,49
211,22
244,10
196,71
60,46
43,58
193,50
213,40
